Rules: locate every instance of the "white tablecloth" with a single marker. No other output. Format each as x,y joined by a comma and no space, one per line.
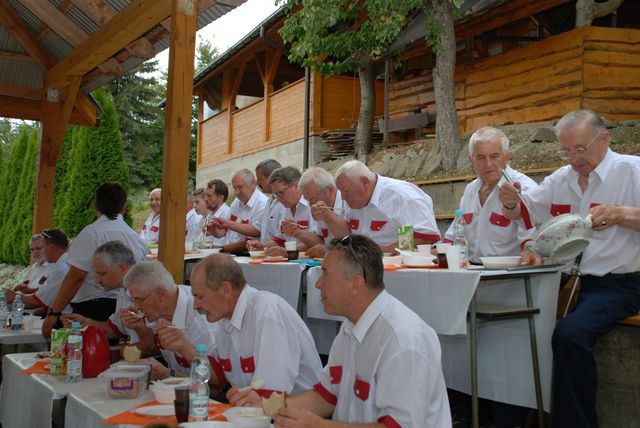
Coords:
33,335
442,299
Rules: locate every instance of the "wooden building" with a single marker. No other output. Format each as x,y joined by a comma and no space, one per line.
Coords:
252,105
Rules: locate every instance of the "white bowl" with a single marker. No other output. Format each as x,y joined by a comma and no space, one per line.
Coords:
563,237
153,251
250,417
164,390
417,259
501,262
207,251
391,260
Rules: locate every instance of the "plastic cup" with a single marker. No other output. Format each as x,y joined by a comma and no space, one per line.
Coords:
424,249
453,256
442,257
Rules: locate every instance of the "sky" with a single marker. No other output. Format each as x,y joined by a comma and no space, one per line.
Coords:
230,28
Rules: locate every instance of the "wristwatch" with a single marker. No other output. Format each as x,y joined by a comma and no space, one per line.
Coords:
52,313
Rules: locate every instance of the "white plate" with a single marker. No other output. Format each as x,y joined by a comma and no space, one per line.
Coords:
210,424
156,410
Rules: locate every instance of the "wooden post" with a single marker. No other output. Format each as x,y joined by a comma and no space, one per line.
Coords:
177,131
55,118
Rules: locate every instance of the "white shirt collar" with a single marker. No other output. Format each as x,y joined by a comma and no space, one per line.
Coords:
377,191
180,313
241,307
360,329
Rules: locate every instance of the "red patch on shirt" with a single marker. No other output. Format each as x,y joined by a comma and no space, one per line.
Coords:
361,389
225,363
354,224
233,217
468,218
376,225
155,228
325,233
557,209
499,220
335,374
247,365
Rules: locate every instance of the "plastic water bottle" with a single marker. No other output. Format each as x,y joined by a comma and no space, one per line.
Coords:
4,309
17,313
74,354
460,239
199,393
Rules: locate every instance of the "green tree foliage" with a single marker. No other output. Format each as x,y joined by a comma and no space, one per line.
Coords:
97,157
206,53
137,97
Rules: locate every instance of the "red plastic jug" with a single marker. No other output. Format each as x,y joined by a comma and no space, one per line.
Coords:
95,351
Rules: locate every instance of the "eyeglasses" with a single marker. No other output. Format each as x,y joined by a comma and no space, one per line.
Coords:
46,235
347,243
138,300
566,154
280,193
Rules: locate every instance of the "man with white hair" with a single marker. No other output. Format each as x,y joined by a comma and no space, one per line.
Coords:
150,232
378,205
488,232
169,324
37,273
245,213
605,184
327,208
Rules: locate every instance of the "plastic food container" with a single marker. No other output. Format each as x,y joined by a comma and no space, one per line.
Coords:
126,381
164,390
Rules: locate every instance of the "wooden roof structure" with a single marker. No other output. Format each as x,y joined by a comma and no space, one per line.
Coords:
53,53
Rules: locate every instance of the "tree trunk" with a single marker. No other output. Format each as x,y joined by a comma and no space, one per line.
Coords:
443,86
588,10
362,143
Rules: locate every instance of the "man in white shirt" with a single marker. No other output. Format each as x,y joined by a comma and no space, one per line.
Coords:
193,219
79,286
37,273
111,261
384,367
327,207
150,232
606,185
379,205
488,232
297,219
245,213
215,197
260,336
274,212
172,327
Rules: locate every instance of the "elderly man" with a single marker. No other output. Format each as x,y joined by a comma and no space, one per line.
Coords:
488,232
327,208
55,248
37,273
215,197
79,287
606,185
379,205
384,367
245,213
172,327
297,219
111,262
261,337
150,232
275,212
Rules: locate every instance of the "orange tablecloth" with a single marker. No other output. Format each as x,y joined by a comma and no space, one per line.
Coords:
131,418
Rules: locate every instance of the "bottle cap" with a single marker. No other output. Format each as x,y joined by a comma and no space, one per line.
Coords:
459,212
201,348
75,325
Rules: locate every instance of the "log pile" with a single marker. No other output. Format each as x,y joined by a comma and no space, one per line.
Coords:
339,143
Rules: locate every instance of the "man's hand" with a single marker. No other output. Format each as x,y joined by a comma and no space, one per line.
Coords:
297,418
530,258
47,326
606,216
275,251
67,319
508,194
158,371
24,288
10,294
291,228
245,398
255,245
320,211
315,252
173,339
132,319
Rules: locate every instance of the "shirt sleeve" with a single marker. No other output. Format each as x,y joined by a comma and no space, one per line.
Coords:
81,250
419,213
48,292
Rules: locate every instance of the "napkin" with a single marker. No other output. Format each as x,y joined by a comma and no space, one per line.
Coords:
38,367
215,414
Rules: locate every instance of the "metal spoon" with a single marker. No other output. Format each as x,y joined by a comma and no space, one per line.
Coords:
535,222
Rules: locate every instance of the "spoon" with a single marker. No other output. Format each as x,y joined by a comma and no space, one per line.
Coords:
535,222
256,384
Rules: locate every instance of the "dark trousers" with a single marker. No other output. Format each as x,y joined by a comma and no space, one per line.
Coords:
602,301
96,309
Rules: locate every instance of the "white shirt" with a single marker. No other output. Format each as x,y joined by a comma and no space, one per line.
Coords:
223,211
266,339
302,218
394,203
249,213
615,181
37,274
196,329
339,208
91,237
386,368
487,231
46,294
115,322
193,219
150,232
272,216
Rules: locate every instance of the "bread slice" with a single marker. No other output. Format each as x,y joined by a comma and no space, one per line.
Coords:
131,354
272,405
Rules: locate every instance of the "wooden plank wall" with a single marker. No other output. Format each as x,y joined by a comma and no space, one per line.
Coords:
287,114
589,67
340,103
213,139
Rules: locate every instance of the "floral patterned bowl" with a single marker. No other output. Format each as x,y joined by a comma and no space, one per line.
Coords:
563,237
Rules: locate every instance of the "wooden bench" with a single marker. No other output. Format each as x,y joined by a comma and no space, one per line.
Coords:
415,121
632,321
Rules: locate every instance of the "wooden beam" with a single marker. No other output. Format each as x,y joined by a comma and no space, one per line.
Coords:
56,20
233,91
177,131
14,25
16,55
27,109
18,91
139,17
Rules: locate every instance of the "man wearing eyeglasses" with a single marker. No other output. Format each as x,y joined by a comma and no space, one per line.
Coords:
379,205
245,213
605,184
488,232
384,368
168,325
